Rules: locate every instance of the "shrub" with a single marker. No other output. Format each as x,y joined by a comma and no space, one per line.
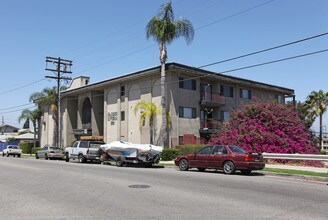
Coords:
35,150
169,154
323,151
268,127
189,149
26,147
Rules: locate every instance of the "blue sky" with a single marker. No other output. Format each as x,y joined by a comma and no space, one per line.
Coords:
106,38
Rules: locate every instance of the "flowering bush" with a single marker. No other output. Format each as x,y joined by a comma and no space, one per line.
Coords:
267,127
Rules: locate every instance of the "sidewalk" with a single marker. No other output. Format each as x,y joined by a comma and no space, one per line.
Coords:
286,167
303,168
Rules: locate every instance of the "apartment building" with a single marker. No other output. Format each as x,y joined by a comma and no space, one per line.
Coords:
198,101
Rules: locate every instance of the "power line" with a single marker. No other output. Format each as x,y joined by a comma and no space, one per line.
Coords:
22,86
275,61
265,50
236,14
16,106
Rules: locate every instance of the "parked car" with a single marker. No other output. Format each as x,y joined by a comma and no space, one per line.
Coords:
12,150
50,152
226,158
84,150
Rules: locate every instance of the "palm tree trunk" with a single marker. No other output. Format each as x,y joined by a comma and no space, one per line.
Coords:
320,132
151,124
163,57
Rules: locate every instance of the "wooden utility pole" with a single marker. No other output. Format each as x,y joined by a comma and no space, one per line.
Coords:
61,67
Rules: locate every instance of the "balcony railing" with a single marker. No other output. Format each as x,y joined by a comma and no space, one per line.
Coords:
211,123
211,98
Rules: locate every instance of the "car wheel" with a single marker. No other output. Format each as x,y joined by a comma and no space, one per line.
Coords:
229,167
67,157
246,172
14,155
119,162
184,165
36,156
81,158
3,154
46,157
201,169
18,155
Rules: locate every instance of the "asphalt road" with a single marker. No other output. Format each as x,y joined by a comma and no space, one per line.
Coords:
40,189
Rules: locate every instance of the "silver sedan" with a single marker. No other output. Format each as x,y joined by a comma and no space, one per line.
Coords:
50,152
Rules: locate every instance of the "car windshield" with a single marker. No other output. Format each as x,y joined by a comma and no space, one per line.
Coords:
237,150
54,148
13,147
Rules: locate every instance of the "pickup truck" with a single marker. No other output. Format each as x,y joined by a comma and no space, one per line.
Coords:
12,150
83,151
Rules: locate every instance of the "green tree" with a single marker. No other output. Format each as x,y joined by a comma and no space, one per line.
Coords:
148,111
33,116
49,97
163,28
316,105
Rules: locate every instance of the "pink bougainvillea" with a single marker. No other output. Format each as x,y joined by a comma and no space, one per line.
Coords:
267,127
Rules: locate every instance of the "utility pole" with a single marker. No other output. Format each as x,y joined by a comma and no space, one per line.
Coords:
61,67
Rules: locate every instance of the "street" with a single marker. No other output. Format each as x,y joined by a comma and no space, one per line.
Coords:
50,189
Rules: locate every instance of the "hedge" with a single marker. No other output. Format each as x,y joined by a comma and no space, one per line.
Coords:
189,149
169,154
26,147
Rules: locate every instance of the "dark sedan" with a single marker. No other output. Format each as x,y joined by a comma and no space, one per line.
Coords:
226,158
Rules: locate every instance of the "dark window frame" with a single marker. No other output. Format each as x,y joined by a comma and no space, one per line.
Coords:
189,84
193,112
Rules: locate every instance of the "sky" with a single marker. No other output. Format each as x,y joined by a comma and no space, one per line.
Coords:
106,38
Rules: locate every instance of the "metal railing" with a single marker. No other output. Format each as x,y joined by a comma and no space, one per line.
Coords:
313,157
211,97
211,123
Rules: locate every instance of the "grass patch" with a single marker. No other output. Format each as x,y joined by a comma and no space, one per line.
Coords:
295,172
164,164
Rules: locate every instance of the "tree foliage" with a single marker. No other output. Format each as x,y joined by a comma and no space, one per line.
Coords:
316,106
267,127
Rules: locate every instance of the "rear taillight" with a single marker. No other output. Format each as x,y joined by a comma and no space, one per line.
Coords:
249,157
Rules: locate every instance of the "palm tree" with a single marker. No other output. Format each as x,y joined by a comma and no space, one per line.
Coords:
32,116
316,105
148,110
49,97
163,28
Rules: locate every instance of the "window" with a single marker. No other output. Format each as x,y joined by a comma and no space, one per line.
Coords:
219,150
83,144
205,150
245,94
278,98
186,112
187,83
123,116
122,90
227,91
224,115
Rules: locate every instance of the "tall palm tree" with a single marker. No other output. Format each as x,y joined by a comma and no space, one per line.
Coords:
149,111
49,97
316,105
32,116
163,28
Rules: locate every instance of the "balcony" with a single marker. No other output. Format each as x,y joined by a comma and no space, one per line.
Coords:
211,125
211,99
